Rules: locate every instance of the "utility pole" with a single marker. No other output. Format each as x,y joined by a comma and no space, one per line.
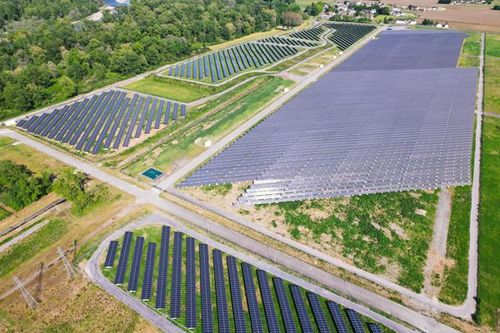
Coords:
67,265
38,293
32,303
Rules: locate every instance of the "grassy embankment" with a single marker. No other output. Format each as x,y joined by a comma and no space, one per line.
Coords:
489,212
231,110
454,281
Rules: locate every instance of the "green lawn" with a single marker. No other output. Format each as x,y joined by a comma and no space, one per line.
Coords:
489,228
381,233
31,246
492,74
454,289
471,50
178,90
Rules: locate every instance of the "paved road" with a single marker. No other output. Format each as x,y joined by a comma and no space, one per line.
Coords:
93,271
169,181
330,281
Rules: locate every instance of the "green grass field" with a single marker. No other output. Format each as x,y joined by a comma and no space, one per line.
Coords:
489,229
492,74
381,233
185,144
471,50
454,288
153,234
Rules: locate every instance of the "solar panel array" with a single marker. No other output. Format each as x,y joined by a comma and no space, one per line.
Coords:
217,66
279,304
347,34
356,132
111,119
309,34
413,49
123,260
286,40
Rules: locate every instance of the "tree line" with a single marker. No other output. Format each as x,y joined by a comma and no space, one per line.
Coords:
48,53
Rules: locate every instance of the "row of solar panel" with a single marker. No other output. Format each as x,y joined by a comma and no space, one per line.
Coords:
284,298
289,41
103,120
309,34
222,64
347,34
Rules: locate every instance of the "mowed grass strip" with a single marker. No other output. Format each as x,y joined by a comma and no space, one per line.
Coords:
454,289
471,50
489,228
492,74
31,246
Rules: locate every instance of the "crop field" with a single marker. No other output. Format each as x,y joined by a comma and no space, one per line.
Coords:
225,114
203,289
386,234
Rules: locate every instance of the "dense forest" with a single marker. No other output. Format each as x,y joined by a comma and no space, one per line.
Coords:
49,52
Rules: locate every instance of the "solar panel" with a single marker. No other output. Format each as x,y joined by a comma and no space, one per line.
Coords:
136,265
286,312
356,324
175,289
220,292
374,328
147,283
253,305
337,317
206,300
319,316
298,301
161,286
267,299
236,300
123,260
110,256
190,284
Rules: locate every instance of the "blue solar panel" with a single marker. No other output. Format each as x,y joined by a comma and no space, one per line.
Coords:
144,112
236,300
136,265
123,260
356,324
132,124
167,113
174,114
374,328
267,299
190,284
147,283
319,315
175,289
253,305
298,301
110,256
286,312
161,286
159,113
220,292
134,105
150,117
337,317
206,301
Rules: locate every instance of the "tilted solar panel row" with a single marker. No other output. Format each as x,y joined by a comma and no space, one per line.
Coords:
103,120
310,34
236,299
206,298
147,283
347,34
190,284
136,265
161,286
123,260
110,256
220,292
175,289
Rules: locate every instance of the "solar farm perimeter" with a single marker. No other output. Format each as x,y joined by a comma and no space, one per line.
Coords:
206,290
397,115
